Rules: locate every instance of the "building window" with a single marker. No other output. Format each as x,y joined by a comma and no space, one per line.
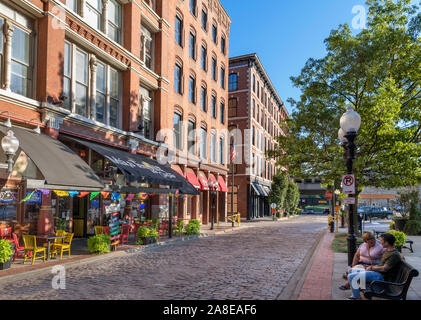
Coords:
193,7
213,68
179,30
221,150
222,112
191,139
204,19
203,98
212,147
254,83
147,43
73,5
93,13
222,79
177,128
223,44
146,112
258,89
78,69
214,34
253,134
178,78
192,45
114,20
192,89
232,108
20,78
213,106
204,53
203,142
233,82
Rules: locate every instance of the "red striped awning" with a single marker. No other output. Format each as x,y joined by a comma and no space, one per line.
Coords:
222,185
203,181
191,177
177,169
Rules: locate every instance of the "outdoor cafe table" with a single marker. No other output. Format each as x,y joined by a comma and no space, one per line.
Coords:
49,240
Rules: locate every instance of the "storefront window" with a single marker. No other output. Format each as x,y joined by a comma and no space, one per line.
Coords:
33,206
8,203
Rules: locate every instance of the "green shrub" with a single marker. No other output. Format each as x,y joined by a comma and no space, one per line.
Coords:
5,251
392,225
400,237
153,234
142,232
99,244
193,228
412,228
61,224
178,230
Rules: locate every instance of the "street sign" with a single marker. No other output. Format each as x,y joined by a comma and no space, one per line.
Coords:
348,184
349,200
273,205
329,195
337,208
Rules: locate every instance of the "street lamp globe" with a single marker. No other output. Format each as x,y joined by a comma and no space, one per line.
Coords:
10,143
341,135
351,120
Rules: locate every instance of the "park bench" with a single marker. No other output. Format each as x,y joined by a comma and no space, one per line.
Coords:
395,290
408,241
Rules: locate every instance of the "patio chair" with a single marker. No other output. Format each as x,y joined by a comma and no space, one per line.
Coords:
63,247
106,230
30,243
125,230
99,230
18,248
6,233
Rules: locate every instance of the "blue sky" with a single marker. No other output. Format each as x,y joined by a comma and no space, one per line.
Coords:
285,34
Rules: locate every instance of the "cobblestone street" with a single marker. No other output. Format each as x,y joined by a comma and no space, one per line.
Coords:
253,263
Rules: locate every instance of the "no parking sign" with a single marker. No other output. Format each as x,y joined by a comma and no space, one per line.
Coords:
348,184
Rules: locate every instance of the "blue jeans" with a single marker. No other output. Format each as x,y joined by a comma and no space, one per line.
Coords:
367,276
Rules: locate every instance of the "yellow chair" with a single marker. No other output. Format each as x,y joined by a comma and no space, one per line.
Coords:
30,244
65,246
59,233
99,230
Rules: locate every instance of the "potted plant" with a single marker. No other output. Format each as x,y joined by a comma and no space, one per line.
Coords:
193,228
6,254
400,239
146,236
99,244
400,221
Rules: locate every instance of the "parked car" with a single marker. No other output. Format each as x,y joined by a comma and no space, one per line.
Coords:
309,211
363,209
378,212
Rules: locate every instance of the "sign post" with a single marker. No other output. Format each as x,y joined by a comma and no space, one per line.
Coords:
348,184
273,207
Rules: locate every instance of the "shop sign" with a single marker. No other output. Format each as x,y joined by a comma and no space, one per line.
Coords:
8,196
35,197
112,208
349,200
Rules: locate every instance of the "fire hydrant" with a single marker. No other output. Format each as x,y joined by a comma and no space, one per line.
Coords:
331,223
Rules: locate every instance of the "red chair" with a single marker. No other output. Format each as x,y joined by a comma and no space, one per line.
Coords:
163,228
125,230
18,248
107,231
6,234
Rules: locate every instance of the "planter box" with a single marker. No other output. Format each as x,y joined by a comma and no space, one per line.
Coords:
6,265
400,224
148,240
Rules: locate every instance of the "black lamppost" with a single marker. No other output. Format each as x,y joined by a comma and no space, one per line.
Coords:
350,124
213,186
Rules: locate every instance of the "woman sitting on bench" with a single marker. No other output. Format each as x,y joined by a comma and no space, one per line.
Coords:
368,254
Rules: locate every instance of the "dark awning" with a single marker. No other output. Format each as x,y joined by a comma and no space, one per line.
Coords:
60,166
258,190
137,168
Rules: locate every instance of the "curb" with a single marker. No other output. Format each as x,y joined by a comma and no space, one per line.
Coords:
295,284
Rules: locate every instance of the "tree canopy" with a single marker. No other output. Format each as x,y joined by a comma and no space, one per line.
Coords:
378,71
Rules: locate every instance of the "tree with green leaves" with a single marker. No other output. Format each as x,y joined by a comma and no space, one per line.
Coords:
378,72
292,198
279,190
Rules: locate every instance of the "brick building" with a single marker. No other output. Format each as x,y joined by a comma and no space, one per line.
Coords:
198,60
96,76
255,108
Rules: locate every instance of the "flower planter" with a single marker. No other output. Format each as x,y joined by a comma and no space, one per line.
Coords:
6,265
148,240
400,224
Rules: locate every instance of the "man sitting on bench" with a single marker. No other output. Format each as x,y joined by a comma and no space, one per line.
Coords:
384,271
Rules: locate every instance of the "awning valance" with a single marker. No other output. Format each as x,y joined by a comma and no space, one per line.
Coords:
222,184
191,177
203,181
60,167
137,168
258,190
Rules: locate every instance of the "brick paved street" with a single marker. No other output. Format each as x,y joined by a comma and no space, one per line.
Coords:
254,263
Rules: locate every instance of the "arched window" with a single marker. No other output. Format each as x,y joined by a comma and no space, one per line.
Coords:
179,29
177,128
